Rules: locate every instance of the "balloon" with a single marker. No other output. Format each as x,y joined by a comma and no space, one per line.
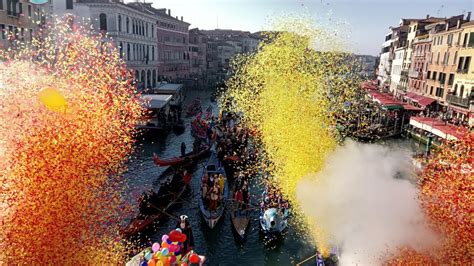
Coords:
172,259
173,248
164,238
151,263
179,230
176,236
148,256
184,264
168,241
166,261
165,252
159,263
194,258
144,263
155,247
52,99
164,244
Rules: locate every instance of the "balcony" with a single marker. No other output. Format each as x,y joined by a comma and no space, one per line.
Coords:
415,74
456,100
404,73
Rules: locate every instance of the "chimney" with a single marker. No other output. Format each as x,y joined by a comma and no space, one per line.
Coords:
459,24
447,25
468,17
181,18
169,12
176,17
427,16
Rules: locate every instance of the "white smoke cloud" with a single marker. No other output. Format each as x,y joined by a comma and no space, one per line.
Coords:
361,201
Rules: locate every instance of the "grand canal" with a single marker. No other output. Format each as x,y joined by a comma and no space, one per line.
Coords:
219,244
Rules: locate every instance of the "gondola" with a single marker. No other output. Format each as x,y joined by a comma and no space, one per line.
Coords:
211,217
153,209
240,219
203,152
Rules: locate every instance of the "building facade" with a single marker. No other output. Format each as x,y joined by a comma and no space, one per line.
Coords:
397,66
460,100
421,51
198,57
394,40
446,40
20,20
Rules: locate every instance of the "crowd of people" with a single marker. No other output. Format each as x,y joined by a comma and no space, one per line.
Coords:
212,187
273,198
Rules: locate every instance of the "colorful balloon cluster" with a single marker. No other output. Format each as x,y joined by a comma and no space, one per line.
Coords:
68,112
169,252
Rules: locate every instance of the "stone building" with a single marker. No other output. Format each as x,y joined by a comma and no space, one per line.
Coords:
20,20
198,57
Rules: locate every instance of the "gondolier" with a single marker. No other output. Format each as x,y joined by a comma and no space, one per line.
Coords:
186,229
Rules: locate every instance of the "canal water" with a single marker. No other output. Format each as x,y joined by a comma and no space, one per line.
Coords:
218,245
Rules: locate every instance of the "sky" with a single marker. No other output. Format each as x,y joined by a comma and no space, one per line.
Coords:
365,21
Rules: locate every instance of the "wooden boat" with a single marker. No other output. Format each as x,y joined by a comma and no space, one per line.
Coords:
273,217
240,219
199,129
163,203
204,151
213,216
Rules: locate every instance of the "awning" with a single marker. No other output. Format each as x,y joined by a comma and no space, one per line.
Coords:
421,100
438,127
155,101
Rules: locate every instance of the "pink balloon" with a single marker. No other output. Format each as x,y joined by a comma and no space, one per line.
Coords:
164,238
173,248
155,247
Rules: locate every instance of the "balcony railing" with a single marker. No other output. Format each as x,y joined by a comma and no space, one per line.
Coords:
456,100
404,73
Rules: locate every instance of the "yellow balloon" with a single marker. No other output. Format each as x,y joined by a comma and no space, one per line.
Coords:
52,99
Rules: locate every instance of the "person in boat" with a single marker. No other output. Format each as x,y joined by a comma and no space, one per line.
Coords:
205,193
221,182
183,149
214,193
239,198
186,229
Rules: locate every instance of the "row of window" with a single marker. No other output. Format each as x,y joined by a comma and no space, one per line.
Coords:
468,40
15,8
12,31
138,52
172,26
441,77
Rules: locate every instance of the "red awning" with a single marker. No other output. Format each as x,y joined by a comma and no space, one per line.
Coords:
410,107
449,129
421,100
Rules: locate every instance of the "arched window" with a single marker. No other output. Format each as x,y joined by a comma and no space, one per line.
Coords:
119,23
461,91
152,31
154,78
153,53
121,49
103,22
437,59
142,77
146,29
455,89
128,51
127,25
133,26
